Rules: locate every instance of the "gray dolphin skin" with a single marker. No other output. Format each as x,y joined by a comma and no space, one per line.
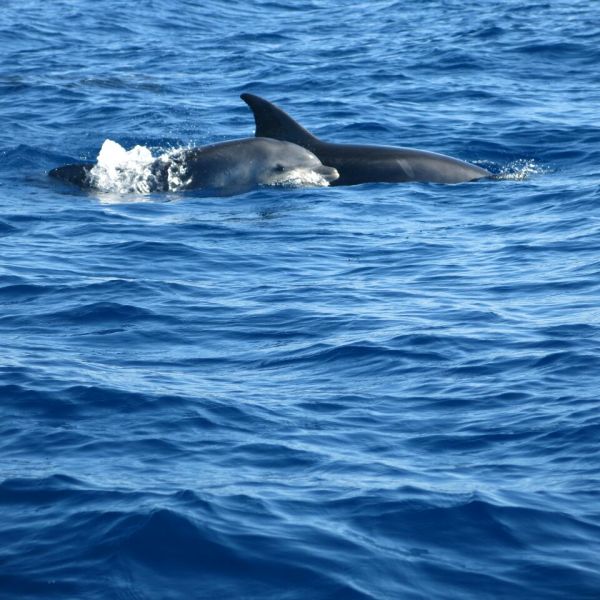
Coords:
222,169
363,164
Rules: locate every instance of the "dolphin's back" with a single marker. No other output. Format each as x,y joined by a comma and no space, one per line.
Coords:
361,163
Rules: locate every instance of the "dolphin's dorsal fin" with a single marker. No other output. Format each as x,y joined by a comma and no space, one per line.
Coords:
273,122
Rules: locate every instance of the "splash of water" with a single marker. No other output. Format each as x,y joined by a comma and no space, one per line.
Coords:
520,170
123,171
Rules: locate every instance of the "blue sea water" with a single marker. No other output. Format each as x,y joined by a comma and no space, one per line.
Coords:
370,392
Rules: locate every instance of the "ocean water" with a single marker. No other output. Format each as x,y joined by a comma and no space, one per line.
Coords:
371,392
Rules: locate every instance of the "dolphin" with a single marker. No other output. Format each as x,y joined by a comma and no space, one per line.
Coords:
359,163
222,169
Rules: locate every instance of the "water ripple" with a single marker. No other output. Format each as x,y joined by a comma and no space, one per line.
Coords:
378,391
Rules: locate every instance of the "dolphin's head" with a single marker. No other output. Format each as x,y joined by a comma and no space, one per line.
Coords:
288,164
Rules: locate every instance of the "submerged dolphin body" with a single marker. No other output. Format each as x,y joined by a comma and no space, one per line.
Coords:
362,164
223,169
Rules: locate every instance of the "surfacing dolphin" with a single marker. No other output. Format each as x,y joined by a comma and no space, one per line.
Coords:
222,169
362,164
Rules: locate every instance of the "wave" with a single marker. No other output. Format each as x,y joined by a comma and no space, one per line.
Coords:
140,540
6,229
376,391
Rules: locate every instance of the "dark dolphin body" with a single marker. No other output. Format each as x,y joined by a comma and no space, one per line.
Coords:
362,164
78,174
223,169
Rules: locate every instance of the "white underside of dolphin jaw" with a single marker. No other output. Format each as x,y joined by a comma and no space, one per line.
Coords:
302,177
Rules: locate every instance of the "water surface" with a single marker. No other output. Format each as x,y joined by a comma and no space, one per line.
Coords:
380,391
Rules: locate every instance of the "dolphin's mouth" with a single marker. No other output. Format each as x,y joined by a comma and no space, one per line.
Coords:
328,173
314,176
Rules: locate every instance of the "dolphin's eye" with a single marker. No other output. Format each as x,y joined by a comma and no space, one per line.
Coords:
279,168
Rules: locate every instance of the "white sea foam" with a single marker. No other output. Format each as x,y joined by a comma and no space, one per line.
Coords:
176,171
123,171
